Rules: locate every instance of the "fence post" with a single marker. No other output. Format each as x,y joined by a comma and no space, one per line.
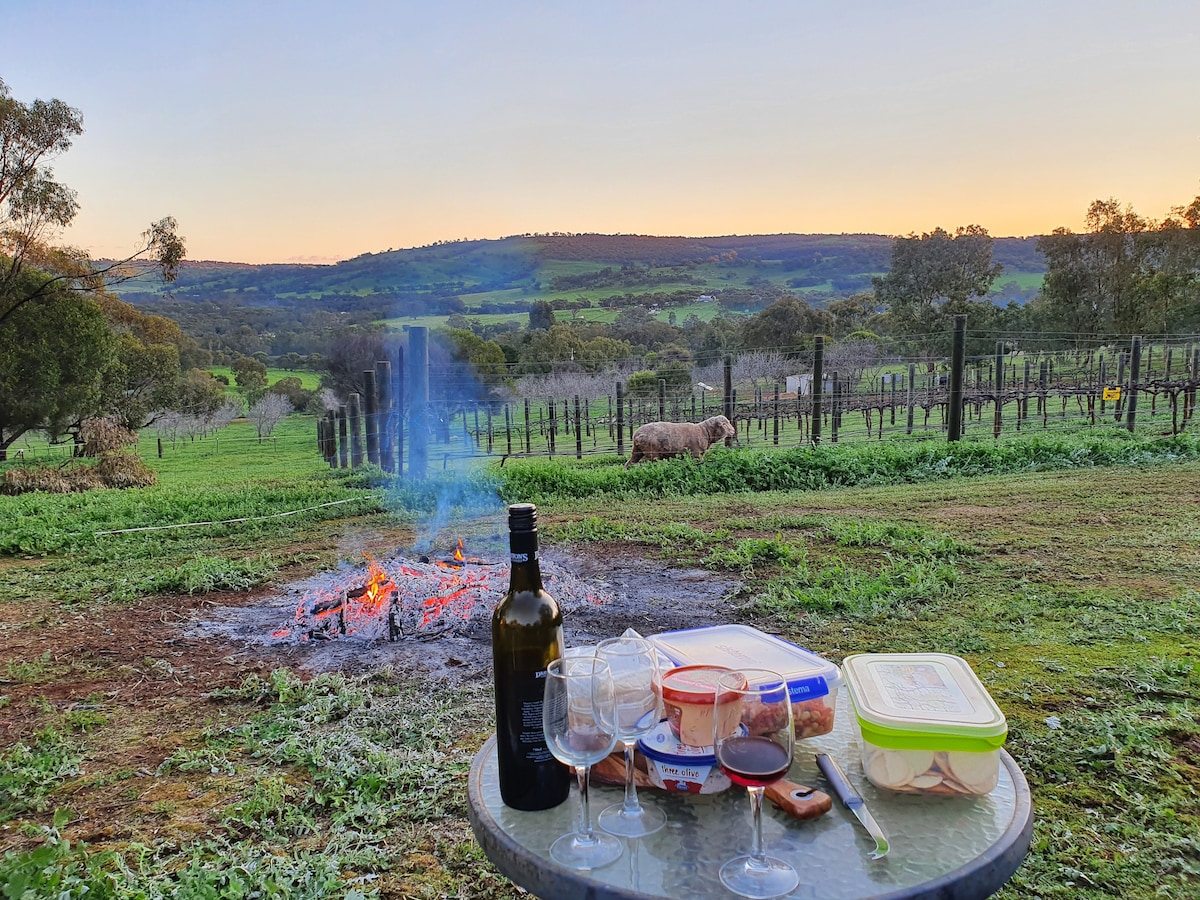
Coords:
399,409
371,415
818,384
1119,406
1135,365
835,406
356,440
418,371
383,384
728,385
958,360
662,399
578,431
620,419
912,379
999,383
776,441
528,450
343,438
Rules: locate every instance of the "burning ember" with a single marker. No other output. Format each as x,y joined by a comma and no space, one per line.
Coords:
401,598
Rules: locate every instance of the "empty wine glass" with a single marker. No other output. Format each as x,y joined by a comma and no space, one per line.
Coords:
634,666
753,739
579,719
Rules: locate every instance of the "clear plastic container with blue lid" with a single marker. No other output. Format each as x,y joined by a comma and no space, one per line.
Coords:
813,682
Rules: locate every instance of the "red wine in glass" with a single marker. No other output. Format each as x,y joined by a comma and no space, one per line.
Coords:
753,761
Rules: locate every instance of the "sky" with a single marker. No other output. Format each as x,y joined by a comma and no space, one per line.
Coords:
309,131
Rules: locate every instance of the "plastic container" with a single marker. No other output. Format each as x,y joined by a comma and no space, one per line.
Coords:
689,695
674,766
928,725
813,682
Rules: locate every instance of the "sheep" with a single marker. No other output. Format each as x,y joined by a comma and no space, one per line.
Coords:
659,440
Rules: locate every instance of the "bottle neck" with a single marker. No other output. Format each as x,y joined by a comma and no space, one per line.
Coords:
526,573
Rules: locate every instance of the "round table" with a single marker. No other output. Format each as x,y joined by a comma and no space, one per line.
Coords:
942,848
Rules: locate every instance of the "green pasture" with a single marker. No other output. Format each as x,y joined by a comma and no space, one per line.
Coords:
1063,568
308,379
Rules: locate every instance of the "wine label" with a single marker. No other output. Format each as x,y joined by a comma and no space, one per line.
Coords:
522,557
531,734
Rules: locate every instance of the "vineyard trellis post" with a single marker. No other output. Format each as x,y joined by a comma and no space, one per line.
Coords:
998,381
818,383
356,440
343,438
727,384
383,380
418,376
835,407
620,419
1120,405
912,378
578,431
1135,363
957,371
371,414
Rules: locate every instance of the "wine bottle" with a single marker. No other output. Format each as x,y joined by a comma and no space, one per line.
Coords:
526,637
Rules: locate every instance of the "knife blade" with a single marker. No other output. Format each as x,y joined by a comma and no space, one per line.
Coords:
853,801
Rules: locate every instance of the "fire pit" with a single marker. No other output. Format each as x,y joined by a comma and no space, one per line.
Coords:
430,613
402,597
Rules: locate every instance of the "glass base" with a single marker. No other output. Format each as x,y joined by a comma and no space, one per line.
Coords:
643,821
771,878
577,851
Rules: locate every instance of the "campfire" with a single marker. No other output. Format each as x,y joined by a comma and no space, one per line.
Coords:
400,598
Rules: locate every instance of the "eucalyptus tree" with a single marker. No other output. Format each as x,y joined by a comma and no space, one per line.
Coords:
933,278
35,208
1125,274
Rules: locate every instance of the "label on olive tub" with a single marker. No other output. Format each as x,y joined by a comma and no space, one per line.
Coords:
675,766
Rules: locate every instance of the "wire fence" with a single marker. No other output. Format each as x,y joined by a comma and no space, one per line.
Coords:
1148,386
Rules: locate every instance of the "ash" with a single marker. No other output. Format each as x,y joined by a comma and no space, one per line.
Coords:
400,597
602,593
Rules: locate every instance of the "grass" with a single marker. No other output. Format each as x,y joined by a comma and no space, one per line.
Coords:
309,380
1064,570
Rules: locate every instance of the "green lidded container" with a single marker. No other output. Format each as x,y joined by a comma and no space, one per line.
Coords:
929,725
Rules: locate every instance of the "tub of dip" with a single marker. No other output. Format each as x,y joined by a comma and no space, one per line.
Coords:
689,696
928,724
813,682
675,766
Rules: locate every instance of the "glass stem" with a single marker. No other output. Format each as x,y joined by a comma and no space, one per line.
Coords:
585,823
631,806
758,856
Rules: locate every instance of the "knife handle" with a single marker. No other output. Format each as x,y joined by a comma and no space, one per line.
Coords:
838,781
799,800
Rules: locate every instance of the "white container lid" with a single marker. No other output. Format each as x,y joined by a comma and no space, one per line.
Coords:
919,694
742,647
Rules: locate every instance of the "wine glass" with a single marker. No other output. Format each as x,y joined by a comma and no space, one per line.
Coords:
634,666
579,718
753,739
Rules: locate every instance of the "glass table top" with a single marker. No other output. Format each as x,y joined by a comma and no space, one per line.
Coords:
944,847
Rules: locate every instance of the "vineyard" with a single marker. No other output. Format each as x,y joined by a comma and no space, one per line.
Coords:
1145,389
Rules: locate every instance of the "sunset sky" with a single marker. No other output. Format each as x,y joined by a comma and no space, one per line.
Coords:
316,131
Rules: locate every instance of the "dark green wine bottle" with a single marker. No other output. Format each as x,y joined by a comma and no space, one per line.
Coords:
527,636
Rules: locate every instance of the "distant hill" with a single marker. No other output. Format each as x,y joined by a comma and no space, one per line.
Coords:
491,275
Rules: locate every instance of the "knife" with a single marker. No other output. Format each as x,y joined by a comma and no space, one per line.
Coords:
853,801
